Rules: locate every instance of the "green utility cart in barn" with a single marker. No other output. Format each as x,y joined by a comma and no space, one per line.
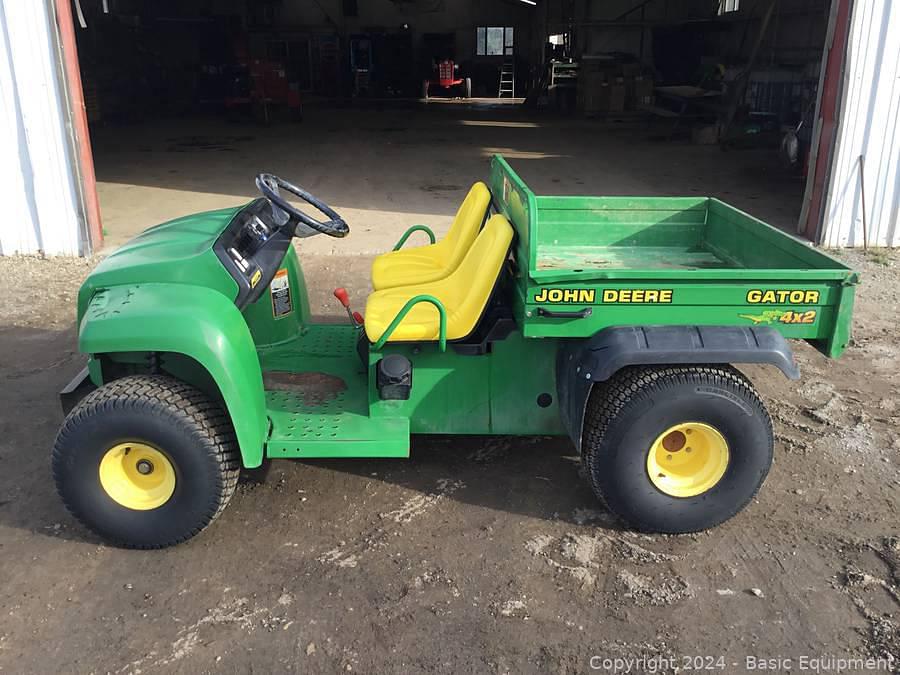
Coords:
616,321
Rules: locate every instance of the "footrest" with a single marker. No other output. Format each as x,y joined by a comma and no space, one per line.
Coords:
299,430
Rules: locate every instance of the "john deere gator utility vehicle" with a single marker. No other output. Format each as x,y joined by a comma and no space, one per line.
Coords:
615,321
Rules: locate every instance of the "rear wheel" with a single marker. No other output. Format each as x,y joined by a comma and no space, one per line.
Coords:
146,461
676,449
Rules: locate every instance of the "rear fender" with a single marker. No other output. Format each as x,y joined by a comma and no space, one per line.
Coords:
195,321
581,363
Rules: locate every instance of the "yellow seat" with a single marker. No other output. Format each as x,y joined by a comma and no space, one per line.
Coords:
464,293
429,263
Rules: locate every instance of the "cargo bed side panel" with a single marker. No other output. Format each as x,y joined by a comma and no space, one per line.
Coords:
587,263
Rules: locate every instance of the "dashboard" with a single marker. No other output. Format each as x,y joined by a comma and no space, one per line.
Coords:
252,248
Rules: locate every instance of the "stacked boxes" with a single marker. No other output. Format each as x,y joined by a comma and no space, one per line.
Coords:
606,86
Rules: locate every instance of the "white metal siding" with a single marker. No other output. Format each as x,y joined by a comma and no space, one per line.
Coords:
41,210
869,125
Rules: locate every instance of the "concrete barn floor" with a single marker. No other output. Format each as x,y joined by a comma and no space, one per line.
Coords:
386,170
476,554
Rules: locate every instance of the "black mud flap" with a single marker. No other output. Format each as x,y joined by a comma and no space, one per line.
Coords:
581,363
77,389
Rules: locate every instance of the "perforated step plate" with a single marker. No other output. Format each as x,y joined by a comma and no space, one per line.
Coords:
339,427
317,399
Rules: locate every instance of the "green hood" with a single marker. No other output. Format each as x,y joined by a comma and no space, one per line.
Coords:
176,252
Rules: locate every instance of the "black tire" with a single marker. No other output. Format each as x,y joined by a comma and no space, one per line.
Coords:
626,414
190,430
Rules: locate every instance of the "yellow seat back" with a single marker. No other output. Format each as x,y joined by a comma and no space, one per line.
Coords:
466,291
465,226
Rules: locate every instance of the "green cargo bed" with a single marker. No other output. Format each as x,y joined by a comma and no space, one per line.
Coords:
594,262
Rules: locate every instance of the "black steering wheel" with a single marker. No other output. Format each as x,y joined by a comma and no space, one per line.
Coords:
269,185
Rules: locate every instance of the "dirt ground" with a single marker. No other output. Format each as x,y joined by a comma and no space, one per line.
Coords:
476,554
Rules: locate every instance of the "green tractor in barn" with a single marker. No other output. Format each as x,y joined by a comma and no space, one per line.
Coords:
615,321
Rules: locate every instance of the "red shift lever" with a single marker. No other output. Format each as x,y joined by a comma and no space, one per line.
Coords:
344,298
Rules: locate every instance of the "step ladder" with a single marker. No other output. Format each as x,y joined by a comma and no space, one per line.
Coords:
507,87
361,82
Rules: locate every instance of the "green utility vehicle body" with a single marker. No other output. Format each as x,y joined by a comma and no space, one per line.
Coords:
591,285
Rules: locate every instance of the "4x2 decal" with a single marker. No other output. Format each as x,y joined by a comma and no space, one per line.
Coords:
781,316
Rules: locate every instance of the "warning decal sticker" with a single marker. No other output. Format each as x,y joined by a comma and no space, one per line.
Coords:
281,294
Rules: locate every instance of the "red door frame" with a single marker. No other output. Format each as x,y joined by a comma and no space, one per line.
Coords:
829,108
72,72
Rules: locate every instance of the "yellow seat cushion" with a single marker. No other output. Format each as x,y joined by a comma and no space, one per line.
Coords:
429,263
464,293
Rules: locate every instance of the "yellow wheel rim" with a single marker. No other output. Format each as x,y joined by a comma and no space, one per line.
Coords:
687,459
137,476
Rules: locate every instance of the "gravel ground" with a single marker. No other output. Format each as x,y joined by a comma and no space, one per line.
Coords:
477,554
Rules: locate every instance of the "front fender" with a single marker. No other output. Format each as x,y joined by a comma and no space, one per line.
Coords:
195,321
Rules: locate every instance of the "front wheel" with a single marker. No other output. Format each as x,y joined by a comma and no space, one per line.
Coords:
676,449
146,461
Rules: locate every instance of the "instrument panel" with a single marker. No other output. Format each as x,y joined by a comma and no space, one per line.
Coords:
252,248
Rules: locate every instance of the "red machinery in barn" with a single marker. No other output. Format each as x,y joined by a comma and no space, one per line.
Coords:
262,85
447,81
